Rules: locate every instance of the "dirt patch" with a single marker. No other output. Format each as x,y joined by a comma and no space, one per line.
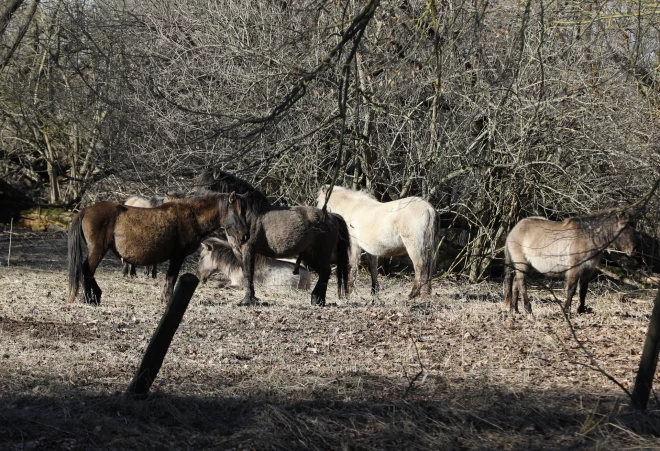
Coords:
453,373
46,330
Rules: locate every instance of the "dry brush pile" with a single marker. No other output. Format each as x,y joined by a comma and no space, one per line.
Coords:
492,111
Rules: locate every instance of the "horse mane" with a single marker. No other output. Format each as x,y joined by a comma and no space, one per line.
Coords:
594,220
218,180
340,189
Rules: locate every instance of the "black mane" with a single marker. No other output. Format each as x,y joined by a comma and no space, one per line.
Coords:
217,180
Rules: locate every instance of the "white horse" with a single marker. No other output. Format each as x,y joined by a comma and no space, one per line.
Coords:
404,226
218,256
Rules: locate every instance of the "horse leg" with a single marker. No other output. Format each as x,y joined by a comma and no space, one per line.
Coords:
296,268
525,297
508,290
133,273
571,286
91,289
171,276
520,291
515,292
419,285
125,271
353,261
373,270
321,288
154,271
249,258
582,290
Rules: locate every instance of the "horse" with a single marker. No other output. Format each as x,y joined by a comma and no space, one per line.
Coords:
152,202
147,236
285,232
218,256
387,229
572,248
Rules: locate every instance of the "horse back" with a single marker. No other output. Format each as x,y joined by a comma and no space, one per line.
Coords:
289,231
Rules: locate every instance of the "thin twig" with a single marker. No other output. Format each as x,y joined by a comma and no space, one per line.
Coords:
11,230
421,371
593,363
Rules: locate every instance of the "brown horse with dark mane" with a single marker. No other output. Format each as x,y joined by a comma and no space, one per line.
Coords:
285,232
151,202
147,236
571,248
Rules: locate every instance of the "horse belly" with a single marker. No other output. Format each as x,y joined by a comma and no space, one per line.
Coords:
551,266
379,241
142,248
288,243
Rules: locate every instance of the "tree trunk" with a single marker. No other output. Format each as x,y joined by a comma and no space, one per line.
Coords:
162,338
649,360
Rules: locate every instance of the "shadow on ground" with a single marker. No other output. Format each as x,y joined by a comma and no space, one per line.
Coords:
469,416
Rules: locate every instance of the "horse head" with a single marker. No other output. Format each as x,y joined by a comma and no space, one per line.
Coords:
234,221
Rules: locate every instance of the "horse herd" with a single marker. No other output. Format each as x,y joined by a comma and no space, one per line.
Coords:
343,223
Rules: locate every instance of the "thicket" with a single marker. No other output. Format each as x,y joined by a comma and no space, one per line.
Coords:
491,110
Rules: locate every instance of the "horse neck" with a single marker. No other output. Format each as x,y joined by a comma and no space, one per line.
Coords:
604,234
207,213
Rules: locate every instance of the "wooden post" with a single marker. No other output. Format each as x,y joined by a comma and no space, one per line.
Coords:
160,341
649,361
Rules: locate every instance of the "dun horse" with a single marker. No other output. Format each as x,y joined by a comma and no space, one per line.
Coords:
147,236
217,256
152,202
286,232
408,225
572,248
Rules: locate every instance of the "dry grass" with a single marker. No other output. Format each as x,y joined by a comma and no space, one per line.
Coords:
454,374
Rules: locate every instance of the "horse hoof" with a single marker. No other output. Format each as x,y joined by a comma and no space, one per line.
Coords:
249,300
93,301
318,300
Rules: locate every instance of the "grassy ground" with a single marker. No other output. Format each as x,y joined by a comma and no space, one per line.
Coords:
454,374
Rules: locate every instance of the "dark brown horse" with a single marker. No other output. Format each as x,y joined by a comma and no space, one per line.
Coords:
147,236
152,202
286,232
571,248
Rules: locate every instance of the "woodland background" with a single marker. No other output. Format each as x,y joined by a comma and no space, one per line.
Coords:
491,110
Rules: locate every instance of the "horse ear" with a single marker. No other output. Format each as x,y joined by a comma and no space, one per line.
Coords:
232,197
623,216
206,245
239,204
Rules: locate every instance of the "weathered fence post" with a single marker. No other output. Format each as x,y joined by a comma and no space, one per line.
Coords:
649,360
160,341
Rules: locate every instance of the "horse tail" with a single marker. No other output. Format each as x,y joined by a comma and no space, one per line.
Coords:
508,278
76,257
343,251
431,239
